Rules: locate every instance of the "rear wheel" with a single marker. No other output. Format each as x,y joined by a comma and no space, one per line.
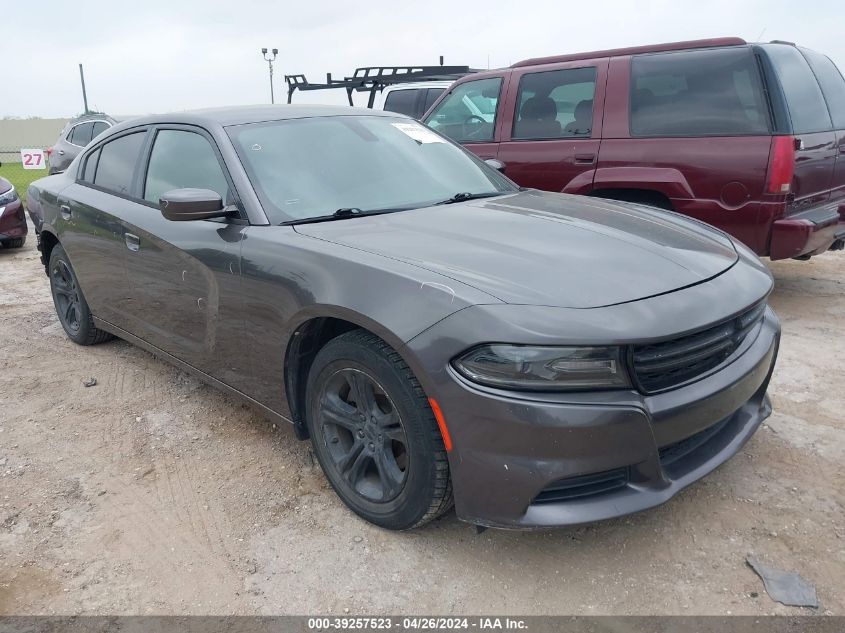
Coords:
71,307
374,433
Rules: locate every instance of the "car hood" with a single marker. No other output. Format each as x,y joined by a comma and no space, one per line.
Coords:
543,248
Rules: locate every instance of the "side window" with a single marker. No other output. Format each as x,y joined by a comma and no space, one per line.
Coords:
555,104
99,126
468,113
714,92
183,159
402,101
81,134
431,96
91,166
804,99
832,85
116,165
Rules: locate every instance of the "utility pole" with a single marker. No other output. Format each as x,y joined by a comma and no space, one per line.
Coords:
84,94
270,59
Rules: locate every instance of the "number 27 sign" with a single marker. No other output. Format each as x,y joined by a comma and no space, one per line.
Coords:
33,159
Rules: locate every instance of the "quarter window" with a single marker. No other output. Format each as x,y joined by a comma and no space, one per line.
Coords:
81,134
468,113
832,85
182,159
697,93
116,165
91,166
804,99
555,104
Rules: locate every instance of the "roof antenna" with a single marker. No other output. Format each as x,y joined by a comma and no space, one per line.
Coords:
441,60
760,37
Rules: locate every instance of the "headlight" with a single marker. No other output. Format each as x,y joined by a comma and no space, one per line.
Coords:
7,197
544,368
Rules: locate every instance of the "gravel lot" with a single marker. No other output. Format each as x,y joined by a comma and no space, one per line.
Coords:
152,493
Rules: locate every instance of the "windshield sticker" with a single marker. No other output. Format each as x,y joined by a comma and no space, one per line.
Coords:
419,133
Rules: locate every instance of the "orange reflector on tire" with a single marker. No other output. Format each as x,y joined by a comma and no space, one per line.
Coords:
441,422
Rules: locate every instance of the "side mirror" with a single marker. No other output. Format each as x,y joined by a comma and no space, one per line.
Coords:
496,164
181,205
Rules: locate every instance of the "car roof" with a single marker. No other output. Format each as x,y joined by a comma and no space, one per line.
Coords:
240,115
651,48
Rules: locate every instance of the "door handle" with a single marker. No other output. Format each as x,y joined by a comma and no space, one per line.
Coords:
61,152
65,209
133,242
585,159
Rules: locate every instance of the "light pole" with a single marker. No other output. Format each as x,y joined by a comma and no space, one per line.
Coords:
270,59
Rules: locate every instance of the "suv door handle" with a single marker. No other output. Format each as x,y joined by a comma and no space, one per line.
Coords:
585,159
65,209
133,242
61,152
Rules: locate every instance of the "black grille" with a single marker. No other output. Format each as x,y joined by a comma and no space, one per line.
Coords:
662,365
583,486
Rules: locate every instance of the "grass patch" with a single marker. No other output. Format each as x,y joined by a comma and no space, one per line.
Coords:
20,177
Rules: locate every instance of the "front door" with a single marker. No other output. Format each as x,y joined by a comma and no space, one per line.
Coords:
553,131
185,276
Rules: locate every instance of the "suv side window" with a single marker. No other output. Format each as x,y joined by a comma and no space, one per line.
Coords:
715,92
116,165
81,134
99,126
183,159
555,104
468,113
402,101
832,85
804,98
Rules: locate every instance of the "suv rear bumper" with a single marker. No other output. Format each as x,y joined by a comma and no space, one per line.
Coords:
810,232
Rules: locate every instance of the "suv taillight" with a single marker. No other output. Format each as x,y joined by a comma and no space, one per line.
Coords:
781,164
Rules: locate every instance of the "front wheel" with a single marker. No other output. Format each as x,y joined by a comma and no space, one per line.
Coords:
71,307
374,433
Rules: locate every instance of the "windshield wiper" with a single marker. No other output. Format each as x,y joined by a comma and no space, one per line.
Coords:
465,195
343,213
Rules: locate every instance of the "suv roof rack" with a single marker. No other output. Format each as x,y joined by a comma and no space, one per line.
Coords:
653,48
374,78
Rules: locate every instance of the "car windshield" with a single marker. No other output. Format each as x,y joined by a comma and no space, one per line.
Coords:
307,168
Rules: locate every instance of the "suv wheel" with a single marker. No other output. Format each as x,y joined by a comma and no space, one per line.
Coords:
374,433
71,307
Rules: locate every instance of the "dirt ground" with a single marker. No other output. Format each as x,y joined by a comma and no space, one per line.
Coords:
151,493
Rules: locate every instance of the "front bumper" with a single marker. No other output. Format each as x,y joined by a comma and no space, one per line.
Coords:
12,221
509,448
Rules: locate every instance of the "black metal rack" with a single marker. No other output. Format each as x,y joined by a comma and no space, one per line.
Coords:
373,79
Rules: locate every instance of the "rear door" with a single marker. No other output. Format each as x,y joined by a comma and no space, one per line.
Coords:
553,132
833,89
470,114
816,142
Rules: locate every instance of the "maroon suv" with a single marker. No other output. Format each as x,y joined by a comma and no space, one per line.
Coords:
747,137
13,227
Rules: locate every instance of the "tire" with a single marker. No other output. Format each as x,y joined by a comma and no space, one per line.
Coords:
15,242
390,469
71,307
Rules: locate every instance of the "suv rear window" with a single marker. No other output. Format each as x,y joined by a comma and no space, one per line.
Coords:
697,93
832,84
804,99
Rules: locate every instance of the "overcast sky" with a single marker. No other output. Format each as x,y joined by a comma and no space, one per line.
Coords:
163,55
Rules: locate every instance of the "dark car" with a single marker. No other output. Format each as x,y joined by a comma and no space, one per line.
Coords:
543,359
13,227
747,137
74,137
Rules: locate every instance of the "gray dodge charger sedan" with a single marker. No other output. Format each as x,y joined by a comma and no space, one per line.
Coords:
440,335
